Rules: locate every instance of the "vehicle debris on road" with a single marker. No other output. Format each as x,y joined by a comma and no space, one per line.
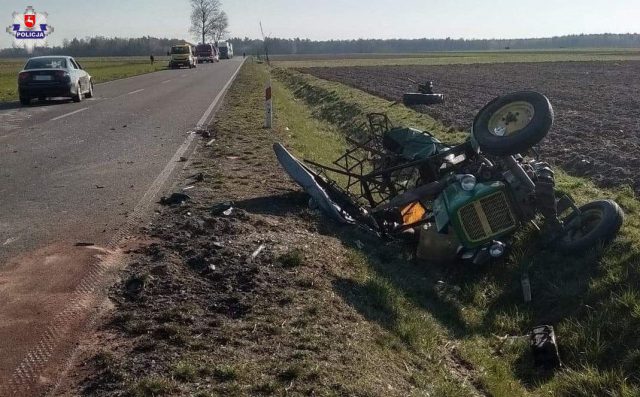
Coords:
224,208
175,199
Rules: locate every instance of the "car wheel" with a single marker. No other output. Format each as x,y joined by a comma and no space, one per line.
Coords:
25,101
597,223
513,123
90,92
78,97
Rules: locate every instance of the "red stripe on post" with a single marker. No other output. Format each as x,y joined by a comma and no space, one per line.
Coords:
267,93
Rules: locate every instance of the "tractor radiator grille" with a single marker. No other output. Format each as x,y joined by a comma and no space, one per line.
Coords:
487,217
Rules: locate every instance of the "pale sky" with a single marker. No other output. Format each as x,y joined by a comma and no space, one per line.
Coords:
337,19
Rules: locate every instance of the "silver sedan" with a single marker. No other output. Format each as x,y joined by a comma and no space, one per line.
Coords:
54,76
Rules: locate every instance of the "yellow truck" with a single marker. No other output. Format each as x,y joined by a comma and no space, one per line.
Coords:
182,55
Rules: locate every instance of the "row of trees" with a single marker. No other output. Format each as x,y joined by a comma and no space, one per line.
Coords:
106,46
102,47
306,46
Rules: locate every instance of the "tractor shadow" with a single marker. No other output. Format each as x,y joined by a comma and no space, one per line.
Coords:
466,300
283,205
470,300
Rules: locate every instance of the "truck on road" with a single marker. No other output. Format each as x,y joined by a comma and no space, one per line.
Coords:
207,53
182,55
226,49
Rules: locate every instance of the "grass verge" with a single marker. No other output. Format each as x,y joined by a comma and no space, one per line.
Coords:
592,300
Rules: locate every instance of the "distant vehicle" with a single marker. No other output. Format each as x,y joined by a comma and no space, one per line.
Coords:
226,50
53,76
206,53
182,55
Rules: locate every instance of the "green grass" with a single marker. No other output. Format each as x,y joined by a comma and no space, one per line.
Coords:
185,371
593,300
461,57
102,69
152,386
292,258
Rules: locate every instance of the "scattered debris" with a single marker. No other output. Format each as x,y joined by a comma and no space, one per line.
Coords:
84,244
205,133
183,159
211,142
257,252
188,188
544,347
99,187
174,199
224,208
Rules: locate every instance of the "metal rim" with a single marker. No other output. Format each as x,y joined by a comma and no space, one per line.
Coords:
511,118
583,224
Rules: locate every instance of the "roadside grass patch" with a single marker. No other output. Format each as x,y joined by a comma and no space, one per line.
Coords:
224,373
593,300
185,371
291,259
152,386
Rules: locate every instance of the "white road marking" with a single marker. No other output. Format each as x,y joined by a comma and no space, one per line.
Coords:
135,92
68,114
166,81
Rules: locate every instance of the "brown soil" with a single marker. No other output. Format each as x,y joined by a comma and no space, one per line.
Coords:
597,128
213,319
35,335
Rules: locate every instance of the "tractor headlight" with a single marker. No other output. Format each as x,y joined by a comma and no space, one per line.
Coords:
497,249
468,182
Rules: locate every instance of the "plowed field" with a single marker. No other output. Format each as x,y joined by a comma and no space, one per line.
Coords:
597,128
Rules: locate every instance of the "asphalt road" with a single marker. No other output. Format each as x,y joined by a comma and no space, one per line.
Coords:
84,172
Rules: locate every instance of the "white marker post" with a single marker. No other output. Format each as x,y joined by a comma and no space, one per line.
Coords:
268,106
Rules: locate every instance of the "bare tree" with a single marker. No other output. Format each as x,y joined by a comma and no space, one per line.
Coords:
219,25
203,13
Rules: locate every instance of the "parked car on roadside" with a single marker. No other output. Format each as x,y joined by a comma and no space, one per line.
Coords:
53,76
